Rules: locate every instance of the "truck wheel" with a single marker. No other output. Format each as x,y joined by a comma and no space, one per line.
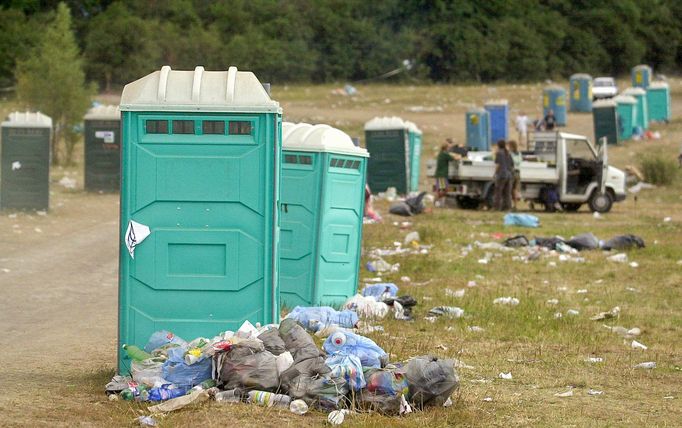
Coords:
571,207
601,202
467,203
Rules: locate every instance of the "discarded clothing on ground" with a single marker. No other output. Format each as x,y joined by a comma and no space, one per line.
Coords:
624,242
409,207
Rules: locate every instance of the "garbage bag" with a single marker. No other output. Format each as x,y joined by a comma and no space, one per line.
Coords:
297,340
524,220
400,208
416,203
430,380
316,318
624,242
384,389
272,341
366,307
369,353
146,369
161,338
380,290
550,243
349,368
327,392
406,301
243,368
516,241
584,241
186,376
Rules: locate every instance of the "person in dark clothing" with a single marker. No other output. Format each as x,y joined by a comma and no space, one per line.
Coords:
504,176
442,166
550,121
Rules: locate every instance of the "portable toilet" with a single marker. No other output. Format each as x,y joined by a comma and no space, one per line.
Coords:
641,76
642,107
478,129
414,135
605,120
199,205
387,139
25,165
322,204
581,93
626,108
554,98
658,102
102,169
498,113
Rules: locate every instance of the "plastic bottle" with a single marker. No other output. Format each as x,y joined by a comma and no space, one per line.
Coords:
165,392
135,392
205,385
269,399
230,396
135,353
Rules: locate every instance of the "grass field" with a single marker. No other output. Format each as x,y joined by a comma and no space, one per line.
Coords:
58,379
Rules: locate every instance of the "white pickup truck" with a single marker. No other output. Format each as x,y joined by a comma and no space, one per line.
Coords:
566,163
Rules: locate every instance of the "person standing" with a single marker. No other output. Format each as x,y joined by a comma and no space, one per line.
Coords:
442,166
516,181
550,121
521,123
504,174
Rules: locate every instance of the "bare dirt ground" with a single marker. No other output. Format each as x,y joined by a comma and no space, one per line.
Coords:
58,289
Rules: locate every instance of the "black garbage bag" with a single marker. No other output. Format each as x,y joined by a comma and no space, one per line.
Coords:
272,341
416,203
407,302
384,389
550,243
324,391
400,208
297,341
244,368
516,241
430,380
584,241
624,242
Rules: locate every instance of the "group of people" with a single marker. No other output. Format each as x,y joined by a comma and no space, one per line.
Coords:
548,123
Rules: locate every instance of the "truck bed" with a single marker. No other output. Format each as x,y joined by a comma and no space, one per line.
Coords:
483,170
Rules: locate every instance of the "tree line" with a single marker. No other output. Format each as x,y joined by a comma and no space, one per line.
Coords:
353,40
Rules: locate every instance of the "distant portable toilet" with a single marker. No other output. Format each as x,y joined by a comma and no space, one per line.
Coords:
387,139
199,205
102,169
626,108
322,203
658,102
498,113
478,129
414,135
581,93
641,76
554,98
605,120
25,166
642,118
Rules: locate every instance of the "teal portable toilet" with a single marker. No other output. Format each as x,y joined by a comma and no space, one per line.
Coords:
498,114
387,139
199,205
478,129
605,119
554,98
626,108
580,93
642,118
641,76
658,102
414,135
322,204
25,161
102,147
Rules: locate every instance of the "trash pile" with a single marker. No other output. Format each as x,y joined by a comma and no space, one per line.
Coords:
281,366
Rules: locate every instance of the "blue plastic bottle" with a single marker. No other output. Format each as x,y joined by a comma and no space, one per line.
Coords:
165,392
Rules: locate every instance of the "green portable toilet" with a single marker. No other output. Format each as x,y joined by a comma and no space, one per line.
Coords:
658,102
554,98
387,139
415,138
199,205
642,118
477,129
580,93
102,169
641,76
323,195
605,119
25,166
626,108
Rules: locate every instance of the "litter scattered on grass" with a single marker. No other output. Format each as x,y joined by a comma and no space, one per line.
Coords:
510,301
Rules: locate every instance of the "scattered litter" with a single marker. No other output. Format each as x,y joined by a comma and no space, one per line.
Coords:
568,393
471,284
337,416
558,315
38,230
488,399
596,215
68,183
298,407
367,307
448,402
634,264
145,421
595,392
475,329
455,293
380,265
41,213
646,365
412,238
572,312
552,302
5,270
613,313
523,220
511,301
450,311
667,219
507,376
594,359
636,345
619,258
581,291
380,291
405,279
624,332
194,397
316,318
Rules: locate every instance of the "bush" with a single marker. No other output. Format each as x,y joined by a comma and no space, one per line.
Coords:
659,169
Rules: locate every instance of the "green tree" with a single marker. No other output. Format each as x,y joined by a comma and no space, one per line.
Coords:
52,80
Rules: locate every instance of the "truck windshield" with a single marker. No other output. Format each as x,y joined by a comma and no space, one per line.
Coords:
580,149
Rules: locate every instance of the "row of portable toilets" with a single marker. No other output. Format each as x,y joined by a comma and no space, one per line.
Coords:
617,119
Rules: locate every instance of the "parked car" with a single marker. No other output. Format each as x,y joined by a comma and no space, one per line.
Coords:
604,87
